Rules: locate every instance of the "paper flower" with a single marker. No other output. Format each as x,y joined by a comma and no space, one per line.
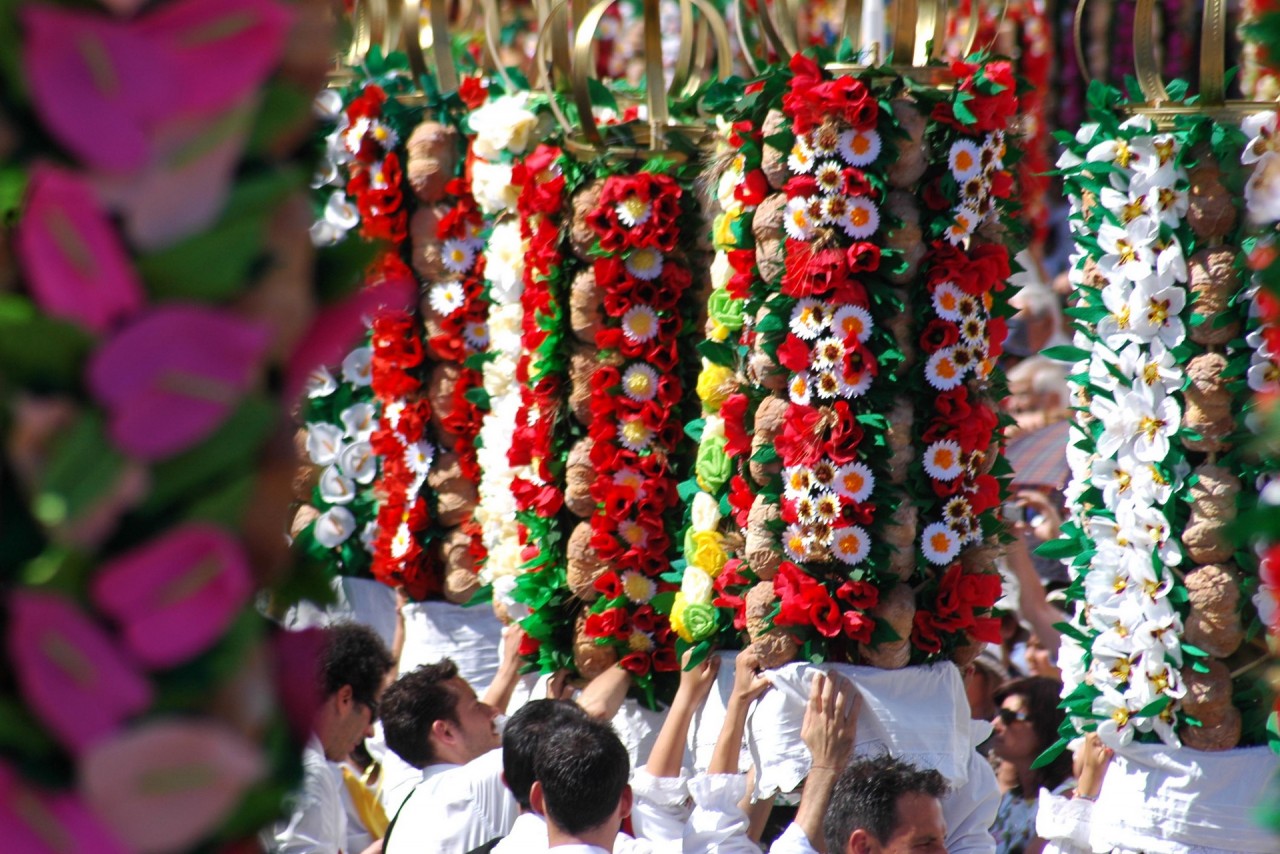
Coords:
41,822
333,527
859,147
169,379
76,265
176,595
70,671
939,543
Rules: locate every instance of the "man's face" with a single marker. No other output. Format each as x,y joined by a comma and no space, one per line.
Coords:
919,828
476,732
354,726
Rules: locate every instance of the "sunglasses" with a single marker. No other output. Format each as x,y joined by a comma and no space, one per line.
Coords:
1008,716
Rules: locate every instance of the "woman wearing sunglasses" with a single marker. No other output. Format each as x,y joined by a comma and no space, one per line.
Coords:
1026,722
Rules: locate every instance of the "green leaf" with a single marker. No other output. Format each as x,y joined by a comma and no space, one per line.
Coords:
38,350
719,352
1054,751
479,397
1065,353
1155,707
214,265
1058,549
83,467
663,601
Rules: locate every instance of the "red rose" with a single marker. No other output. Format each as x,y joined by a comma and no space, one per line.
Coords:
609,585
800,442
610,623
636,663
863,257
924,634
664,660
860,594
473,92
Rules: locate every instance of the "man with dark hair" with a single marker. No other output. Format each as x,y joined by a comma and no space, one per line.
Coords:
581,771
351,670
433,719
882,804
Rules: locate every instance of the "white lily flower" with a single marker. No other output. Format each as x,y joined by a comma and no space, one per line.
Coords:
324,443
333,527
320,383
1116,329
1161,635
336,487
1152,366
1140,420
359,462
1117,727
1128,251
359,420
1114,477
356,368
1263,137
1149,485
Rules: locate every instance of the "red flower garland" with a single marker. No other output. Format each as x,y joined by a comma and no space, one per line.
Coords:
375,169
633,404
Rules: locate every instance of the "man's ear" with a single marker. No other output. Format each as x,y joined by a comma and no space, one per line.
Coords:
626,802
442,730
536,799
859,842
345,697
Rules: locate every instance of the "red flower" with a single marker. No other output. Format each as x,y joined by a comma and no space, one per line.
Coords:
753,189
858,626
610,623
741,499
734,413
664,659
609,585
937,334
863,257
800,442
860,594
924,633
811,273
794,354
636,663
473,92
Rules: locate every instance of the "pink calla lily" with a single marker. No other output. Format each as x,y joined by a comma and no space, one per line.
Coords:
176,595
200,36
97,84
164,786
169,379
38,822
71,674
75,263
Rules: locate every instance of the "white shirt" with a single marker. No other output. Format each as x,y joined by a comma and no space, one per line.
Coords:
529,836
455,808
318,823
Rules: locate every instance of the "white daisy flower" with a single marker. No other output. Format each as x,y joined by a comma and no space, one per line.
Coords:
458,255
796,543
941,370
939,543
827,353
963,222
640,382
633,211
629,478
637,587
476,334
798,388
644,264
859,147
946,301
942,460
826,384
635,435
854,481
419,456
851,545
824,473
854,384
835,209
862,219
800,161
640,324
830,177
797,482
826,507
852,321
965,160
823,141
797,221
447,298
809,318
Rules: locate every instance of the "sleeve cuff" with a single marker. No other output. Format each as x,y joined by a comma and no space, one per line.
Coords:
719,792
662,791
1063,819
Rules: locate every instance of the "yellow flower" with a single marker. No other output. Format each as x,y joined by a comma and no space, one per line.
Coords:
676,617
713,385
722,232
708,555
718,331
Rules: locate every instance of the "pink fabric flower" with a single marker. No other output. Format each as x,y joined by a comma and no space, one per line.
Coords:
71,674
165,786
97,84
74,261
170,378
176,595
218,50
38,822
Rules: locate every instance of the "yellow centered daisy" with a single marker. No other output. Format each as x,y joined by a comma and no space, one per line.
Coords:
637,587
633,211
639,642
